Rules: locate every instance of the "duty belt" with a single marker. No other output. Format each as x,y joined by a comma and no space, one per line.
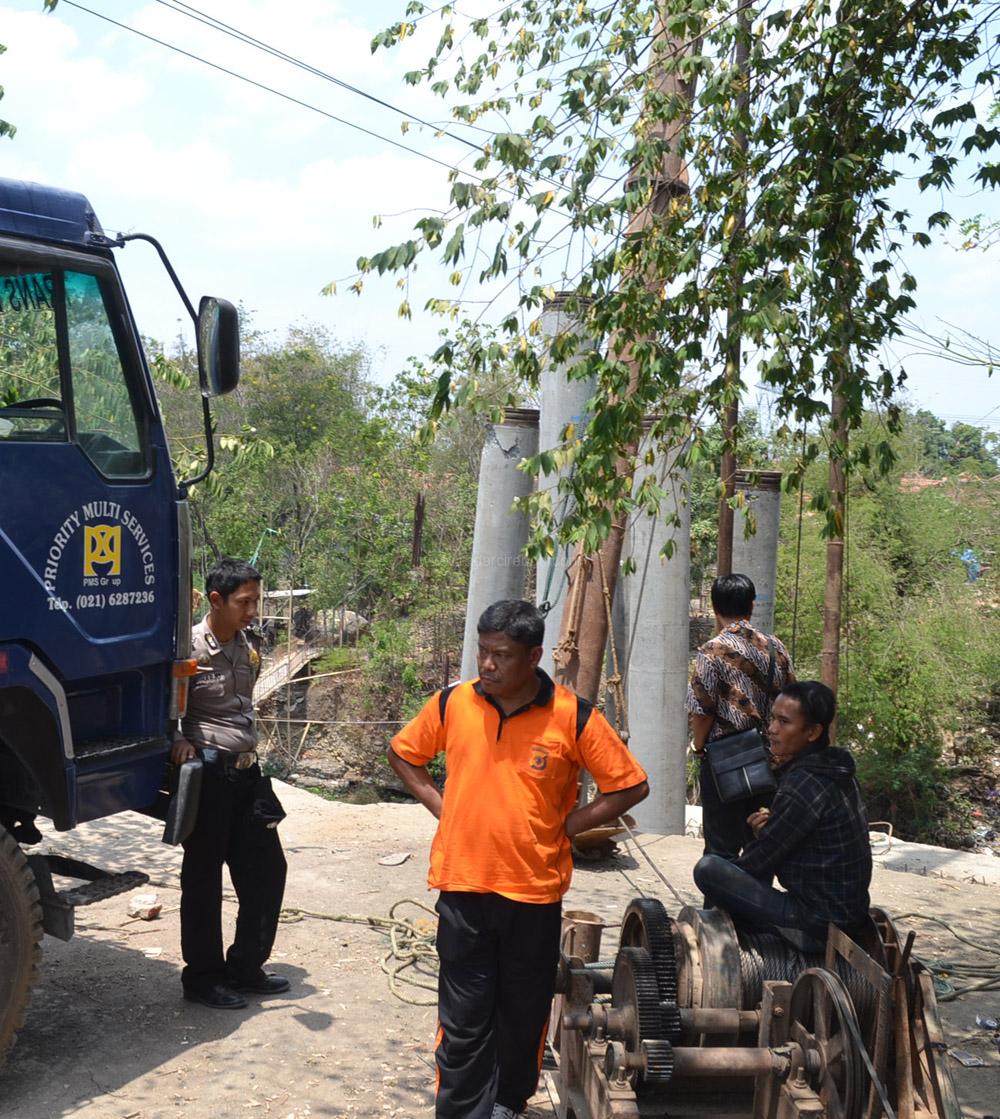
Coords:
228,759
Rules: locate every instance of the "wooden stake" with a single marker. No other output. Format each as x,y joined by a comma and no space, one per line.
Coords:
830,655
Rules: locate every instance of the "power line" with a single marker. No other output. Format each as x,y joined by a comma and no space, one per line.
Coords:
267,88
988,414
304,104
180,8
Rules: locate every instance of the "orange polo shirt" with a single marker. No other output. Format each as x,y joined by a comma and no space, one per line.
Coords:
511,783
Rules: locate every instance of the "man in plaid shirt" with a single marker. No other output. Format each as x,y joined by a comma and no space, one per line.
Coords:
814,837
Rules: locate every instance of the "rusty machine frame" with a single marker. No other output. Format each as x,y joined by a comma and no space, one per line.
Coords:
693,1019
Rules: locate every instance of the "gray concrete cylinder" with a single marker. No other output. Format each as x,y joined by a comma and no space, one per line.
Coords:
498,566
561,401
758,555
656,600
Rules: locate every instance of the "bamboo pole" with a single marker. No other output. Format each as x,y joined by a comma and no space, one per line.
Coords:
830,654
733,345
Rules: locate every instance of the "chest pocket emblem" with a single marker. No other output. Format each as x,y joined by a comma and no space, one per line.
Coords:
539,759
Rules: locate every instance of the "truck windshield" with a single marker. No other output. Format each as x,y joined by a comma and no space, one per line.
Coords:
62,378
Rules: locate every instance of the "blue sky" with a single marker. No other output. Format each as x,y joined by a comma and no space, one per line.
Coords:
264,201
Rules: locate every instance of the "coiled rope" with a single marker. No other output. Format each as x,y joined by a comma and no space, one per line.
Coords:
412,957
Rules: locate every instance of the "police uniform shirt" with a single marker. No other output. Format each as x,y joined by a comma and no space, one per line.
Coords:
220,700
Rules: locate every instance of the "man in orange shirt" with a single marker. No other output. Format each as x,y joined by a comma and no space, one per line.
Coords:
514,744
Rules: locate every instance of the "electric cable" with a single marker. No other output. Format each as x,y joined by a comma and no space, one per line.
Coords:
269,89
656,870
249,40
955,978
190,12
316,109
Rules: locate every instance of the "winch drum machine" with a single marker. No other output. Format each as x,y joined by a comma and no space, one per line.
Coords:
694,1019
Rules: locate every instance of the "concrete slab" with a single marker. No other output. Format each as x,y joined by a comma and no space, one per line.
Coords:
941,862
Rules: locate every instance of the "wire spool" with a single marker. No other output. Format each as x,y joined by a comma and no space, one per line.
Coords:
718,967
713,964
765,956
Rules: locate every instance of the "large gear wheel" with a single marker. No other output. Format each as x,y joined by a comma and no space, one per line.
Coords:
670,1013
646,925
635,992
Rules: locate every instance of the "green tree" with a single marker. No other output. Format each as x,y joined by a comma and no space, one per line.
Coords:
797,228
919,652
319,470
964,448
705,491
6,128
972,449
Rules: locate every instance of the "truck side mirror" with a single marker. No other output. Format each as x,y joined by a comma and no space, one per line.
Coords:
218,346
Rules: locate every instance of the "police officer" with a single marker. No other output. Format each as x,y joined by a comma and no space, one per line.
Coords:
219,727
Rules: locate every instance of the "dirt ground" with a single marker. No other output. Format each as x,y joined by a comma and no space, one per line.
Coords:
109,1037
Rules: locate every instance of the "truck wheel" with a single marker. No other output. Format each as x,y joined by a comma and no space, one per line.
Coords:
20,937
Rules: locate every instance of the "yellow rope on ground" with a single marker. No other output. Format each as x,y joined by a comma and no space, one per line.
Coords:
412,945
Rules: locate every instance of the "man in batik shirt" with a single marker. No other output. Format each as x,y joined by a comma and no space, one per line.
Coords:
729,692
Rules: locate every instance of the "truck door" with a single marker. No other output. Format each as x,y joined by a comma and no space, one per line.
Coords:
88,529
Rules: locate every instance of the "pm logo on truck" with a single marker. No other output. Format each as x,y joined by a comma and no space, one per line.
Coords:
102,544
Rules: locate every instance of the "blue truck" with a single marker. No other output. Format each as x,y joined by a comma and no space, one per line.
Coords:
95,573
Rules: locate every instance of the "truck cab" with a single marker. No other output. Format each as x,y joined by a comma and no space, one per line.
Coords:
95,581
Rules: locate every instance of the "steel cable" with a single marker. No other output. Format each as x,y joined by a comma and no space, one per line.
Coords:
974,976
766,956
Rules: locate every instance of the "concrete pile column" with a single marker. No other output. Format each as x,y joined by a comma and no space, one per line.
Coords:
498,566
758,555
654,660
562,400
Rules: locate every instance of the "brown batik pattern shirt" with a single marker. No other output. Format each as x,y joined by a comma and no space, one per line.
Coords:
730,678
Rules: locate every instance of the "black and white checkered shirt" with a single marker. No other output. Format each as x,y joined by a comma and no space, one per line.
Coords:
816,838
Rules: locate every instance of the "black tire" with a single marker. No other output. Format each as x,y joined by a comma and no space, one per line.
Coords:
20,938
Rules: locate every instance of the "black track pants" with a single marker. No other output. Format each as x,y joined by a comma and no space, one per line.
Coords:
227,834
497,976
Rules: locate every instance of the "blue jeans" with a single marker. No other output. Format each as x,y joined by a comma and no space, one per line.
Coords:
751,903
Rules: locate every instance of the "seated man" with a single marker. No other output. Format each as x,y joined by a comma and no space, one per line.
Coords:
814,837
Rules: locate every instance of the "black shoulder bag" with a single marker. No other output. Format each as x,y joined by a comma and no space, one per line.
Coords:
740,762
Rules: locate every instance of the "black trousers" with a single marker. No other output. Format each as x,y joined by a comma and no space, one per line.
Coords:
226,833
724,826
497,976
